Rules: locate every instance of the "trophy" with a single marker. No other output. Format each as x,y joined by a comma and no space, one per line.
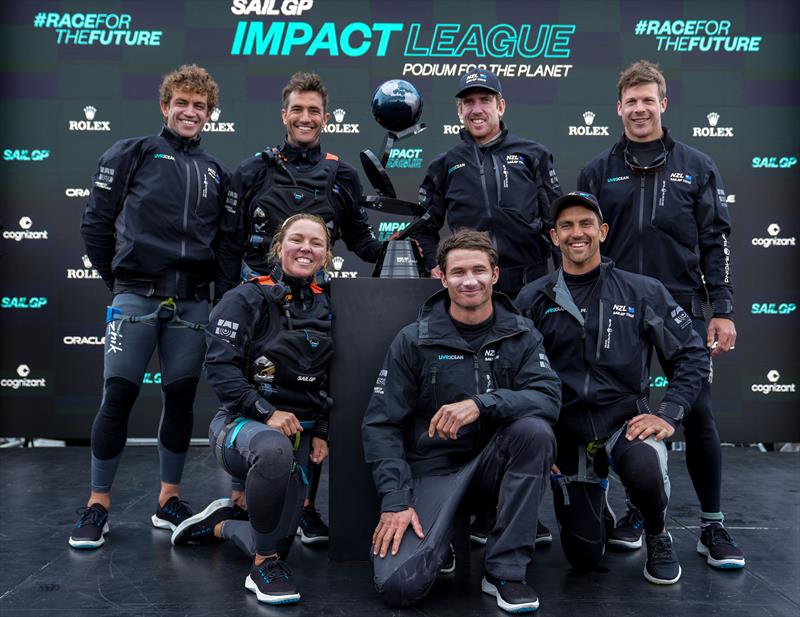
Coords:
397,107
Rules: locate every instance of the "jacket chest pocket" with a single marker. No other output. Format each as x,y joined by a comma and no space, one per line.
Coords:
673,202
618,347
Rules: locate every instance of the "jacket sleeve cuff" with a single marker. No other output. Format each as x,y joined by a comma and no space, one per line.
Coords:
671,412
396,501
722,307
485,402
262,410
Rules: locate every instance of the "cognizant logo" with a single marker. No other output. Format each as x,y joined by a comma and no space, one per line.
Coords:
774,239
23,380
773,387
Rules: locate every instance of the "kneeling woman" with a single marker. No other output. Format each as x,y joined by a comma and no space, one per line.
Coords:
269,346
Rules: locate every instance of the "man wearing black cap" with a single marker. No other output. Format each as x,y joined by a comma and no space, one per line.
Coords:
492,181
669,219
600,325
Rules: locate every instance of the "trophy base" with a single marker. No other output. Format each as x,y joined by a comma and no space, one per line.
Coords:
399,259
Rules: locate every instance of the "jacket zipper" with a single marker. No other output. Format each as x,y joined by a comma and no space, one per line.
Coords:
641,223
655,198
483,186
434,374
197,173
496,167
185,223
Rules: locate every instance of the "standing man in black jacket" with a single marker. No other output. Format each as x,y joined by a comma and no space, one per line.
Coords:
668,217
600,325
461,417
492,181
297,176
152,230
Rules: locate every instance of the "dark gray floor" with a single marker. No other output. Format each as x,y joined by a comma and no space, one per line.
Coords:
138,572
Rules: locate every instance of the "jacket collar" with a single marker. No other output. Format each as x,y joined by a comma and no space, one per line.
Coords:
465,136
180,143
301,154
556,288
620,146
436,326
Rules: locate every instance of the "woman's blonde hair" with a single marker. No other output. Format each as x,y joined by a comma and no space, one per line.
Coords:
284,229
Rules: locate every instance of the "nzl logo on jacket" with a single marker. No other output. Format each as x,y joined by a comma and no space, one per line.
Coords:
226,329
678,176
621,310
515,159
490,355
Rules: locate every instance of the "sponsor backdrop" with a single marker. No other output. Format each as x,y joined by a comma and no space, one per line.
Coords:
79,75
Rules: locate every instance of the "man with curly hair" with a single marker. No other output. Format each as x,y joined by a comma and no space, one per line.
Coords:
152,231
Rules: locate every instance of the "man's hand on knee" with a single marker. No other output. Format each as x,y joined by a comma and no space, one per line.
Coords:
450,418
644,425
391,528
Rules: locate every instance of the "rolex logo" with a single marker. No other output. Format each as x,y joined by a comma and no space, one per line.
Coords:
89,123
587,129
712,130
338,262
212,126
87,263
339,126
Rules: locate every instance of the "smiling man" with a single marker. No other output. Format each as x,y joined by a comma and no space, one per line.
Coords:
152,231
668,217
494,182
600,325
298,176
460,419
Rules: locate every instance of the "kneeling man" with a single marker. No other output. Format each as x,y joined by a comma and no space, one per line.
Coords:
460,417
600,326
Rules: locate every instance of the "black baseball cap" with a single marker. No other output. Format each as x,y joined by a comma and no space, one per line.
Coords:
479,78
576,198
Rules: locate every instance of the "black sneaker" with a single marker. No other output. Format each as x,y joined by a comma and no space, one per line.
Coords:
662,567
171,514
272,582
719,548
479,529
90,528
628,532
200,527
312,529
512,596
543,535
449,565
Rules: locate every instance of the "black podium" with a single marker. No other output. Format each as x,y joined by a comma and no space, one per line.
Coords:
369,312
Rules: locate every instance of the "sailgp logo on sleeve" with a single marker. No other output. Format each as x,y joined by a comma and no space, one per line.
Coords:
380,382
226,329
680,317
621,310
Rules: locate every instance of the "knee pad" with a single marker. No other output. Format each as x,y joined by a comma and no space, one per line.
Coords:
110,427
580,509
176,425
273,455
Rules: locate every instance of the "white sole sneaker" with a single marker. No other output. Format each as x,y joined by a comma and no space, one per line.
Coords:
527,607
661,581
310,539
90,543
160,523
268,599
625,544
212,507
723,564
